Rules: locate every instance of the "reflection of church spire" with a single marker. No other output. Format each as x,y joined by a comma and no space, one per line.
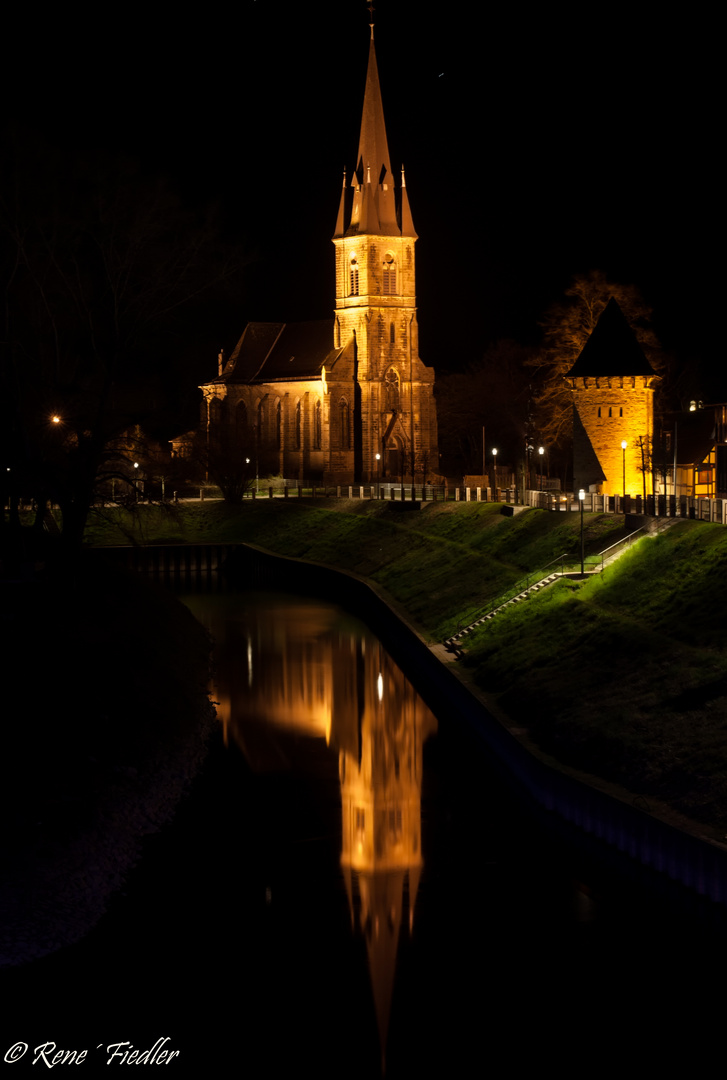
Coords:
381,808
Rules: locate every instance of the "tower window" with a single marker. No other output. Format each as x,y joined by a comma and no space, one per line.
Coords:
599,412
353,291
392,334
389,275
620,411
610,412
391,385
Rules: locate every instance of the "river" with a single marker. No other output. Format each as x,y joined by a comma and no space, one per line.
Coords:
351,889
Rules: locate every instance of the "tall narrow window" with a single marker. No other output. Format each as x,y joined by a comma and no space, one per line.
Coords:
297,427
392,334
279,425
391,390
317,426
241,434
389,275
353,291
345,425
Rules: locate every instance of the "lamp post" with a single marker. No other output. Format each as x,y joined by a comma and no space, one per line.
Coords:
624,444
494,474
378,475
541,451
581,500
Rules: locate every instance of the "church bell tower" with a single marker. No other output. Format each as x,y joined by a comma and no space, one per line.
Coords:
394,410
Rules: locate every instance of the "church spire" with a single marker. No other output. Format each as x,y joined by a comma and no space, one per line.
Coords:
374,207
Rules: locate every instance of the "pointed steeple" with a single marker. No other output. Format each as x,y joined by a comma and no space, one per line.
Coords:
374,205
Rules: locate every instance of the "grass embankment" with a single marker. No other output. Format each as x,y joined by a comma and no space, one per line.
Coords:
623,676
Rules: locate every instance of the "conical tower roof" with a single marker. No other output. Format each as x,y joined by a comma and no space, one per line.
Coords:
612,348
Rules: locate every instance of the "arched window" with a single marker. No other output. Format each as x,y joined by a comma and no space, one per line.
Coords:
391,390
345,424
279,426
241,432
353,290
389,274
298,427
317,426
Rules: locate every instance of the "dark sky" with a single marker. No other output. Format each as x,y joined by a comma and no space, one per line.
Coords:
536,146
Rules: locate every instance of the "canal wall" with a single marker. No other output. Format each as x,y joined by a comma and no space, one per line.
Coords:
691,868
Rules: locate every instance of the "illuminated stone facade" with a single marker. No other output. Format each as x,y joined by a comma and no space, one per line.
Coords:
613,402
347,402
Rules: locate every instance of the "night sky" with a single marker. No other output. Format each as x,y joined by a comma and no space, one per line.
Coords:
536,146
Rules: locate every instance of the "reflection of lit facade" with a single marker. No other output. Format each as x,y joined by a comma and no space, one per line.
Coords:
349,400
380,765
299,666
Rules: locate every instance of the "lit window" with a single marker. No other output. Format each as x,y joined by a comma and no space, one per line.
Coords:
389,275
317,426
353,291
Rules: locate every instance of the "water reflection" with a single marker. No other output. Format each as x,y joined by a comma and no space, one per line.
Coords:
311,671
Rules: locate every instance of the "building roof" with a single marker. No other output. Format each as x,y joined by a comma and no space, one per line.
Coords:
372,211
612,348
278,352
695,435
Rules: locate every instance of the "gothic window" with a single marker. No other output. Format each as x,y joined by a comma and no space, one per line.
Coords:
297,426
317,426
345,424
389,275
241,423
279,426
353,291
392,334
391,390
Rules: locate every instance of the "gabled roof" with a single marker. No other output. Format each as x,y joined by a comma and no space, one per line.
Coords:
695,435
276,352
612,348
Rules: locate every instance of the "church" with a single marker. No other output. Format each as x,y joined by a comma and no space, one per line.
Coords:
347,400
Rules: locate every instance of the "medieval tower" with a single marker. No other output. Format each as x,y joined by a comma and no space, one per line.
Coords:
612,384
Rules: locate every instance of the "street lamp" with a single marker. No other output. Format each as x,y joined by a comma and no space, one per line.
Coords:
624,444
494,474
541,451
378,474
581,500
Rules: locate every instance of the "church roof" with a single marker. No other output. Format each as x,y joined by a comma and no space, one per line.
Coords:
373,209
275,352
612,348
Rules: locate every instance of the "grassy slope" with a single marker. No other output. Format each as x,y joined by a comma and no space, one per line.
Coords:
624,676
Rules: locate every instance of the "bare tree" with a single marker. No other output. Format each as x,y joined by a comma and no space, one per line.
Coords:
566,327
